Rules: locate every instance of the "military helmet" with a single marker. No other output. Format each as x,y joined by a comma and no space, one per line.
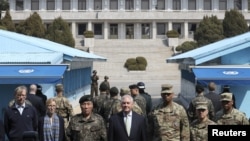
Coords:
59,87
94,71
106,77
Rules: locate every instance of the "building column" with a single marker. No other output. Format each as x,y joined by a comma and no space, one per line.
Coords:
106,30
185,30
170,25
90,26
58,5
73,29
154,30
74,5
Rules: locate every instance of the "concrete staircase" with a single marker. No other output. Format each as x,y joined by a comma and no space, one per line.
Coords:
157,72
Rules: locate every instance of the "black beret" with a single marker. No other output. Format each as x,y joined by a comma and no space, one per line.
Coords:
114,90
133,86
86,98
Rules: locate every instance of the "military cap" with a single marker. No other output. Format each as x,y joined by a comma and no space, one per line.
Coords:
226,97
106,77
167,88
85,98
201,105
124,91
94,71
113,90
133,86
59,87
141,85
103,87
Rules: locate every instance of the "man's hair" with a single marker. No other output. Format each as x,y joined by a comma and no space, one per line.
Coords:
211,86
127,96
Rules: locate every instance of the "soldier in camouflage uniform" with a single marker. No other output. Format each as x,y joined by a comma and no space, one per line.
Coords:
229,115
63,107
111,106
87,126
94,84
136,108
191,111
100,99
134,90
106,82
199,127
168,121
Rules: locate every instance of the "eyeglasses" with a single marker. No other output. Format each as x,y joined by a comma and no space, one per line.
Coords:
51,106
166,94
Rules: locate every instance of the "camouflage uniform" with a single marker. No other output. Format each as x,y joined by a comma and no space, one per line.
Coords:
141,103
98,102
64,109
106,82
235,117
199,130
92,129
191,111
169,123
94,84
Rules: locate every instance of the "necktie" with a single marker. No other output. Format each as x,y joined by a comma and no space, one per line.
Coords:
128,124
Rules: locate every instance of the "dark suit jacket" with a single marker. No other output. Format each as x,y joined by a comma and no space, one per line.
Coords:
117,130
2,131
61,132
37,102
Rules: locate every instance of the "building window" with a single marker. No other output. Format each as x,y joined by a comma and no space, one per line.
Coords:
97,4
238,4
176,4
81,28
113,4
113,31
129,31
19,5
161,29
160,5
81,4
98,29
145,4
177,27
207,5
191,4
222,4
145,31
129,4
50,4
65,4
34,4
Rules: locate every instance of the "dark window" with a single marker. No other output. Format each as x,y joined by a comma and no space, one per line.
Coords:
191,4
50,4
98,29
238,4
129,4
81,4
177,27
161,29
144,4
81,28
145,30
65,4
207,5
113,4
129,31
19,5
34,4
176,4
113,31
97,4
160,5
222,4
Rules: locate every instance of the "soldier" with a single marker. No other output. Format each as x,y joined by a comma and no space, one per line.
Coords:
200,97
106,82
146,96
134,90
199,127
111,106
94,84
87,126
228,115
99,100
63,107
136,108
168,121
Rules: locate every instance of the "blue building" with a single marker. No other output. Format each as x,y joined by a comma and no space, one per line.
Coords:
25,60
226,62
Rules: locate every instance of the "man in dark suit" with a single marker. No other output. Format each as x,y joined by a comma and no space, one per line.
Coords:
36,101
127,125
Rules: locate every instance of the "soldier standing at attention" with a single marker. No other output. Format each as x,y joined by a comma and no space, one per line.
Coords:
199,127
100,99
94,84
106,82
168,121
229,115
146,96
87,125
63,107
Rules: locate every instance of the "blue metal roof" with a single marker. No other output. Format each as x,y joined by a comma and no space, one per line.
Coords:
214,50
12,42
